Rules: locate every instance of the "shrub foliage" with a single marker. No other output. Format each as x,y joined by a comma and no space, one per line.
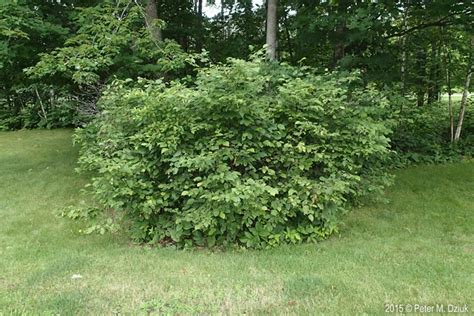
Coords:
250,154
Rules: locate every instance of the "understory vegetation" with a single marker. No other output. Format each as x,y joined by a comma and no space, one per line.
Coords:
419,136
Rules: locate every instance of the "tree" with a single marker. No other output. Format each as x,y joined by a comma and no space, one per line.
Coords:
447,66
200,36
24,34
272,29
112,41
462,110
151,13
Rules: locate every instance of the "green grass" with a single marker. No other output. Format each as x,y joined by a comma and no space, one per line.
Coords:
419,248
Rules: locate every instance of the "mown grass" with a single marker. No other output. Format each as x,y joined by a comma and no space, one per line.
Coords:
419,248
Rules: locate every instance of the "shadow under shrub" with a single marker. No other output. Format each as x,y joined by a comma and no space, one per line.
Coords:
252,154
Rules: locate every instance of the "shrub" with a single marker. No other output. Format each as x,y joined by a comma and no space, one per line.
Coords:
252,154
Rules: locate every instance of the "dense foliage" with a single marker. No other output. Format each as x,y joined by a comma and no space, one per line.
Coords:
251,154
24,34
59,84
421,135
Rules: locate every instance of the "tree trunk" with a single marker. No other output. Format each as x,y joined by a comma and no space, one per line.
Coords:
404,65
439,74
434,73
339,49
447,68
340,32
272,29
200,34
421,76
451,114
404,50
431,75
288,37
450,98
462,110
151,18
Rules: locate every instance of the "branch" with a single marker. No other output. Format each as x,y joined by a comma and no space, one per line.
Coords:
444,21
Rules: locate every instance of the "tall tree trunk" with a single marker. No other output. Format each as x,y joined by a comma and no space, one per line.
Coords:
447,68
462,110
404,65
404,49
435,71
339,49
151,18
439,73
200,35
432,74
272,29
288,37
450,93
450,108
421,76
340,32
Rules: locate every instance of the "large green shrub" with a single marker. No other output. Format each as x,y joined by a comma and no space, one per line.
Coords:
252,154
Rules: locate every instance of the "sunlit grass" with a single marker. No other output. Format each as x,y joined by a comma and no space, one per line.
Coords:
419,248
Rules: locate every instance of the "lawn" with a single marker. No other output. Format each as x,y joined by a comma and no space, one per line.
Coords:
417,249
